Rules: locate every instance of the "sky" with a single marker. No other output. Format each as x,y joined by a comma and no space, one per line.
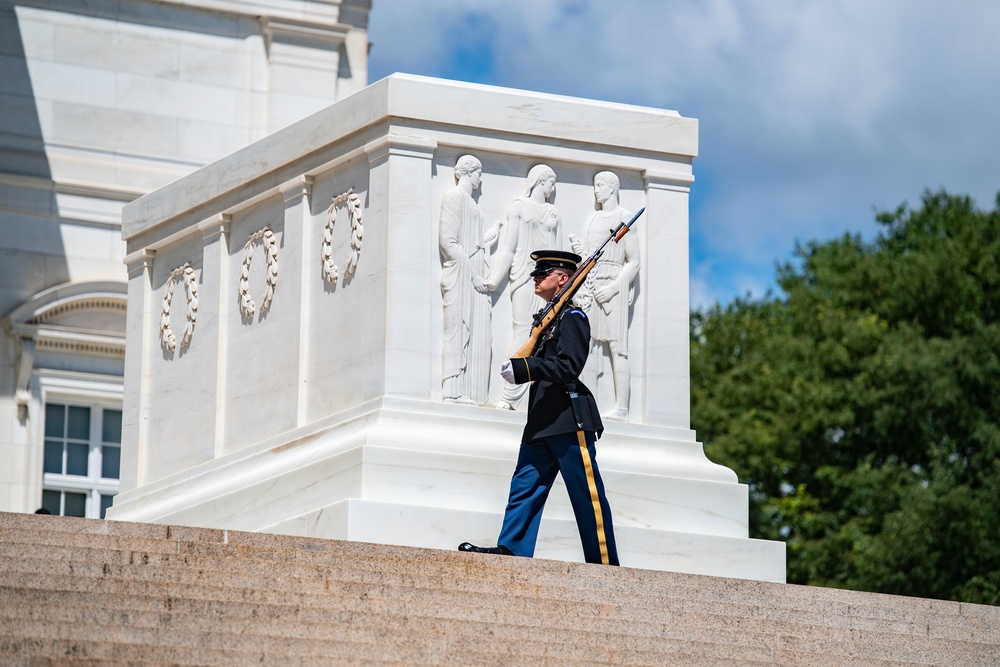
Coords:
813,114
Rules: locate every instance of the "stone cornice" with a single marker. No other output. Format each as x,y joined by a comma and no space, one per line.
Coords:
402,100
661,180
383,147
316,12
69,187
303,31
56,339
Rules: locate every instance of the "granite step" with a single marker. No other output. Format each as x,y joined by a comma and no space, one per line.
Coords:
206,596
676,631
906,621
481,645
905,626
336,558
567,627
447,603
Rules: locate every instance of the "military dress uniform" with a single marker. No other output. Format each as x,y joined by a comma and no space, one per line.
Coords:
562,426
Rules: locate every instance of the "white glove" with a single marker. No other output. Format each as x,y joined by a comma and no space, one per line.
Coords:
507,372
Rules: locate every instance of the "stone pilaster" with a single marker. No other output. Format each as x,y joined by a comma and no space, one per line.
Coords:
667,307
217,307
300,237
401,168
138,348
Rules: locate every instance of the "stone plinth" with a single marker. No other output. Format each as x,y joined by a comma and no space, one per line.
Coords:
284,346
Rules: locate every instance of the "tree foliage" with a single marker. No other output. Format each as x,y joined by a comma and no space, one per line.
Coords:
862,408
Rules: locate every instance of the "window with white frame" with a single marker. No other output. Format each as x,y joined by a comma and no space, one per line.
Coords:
82,458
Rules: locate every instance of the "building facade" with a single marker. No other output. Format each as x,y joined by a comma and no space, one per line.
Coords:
100,103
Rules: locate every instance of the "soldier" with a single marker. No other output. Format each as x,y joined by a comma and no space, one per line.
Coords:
562,426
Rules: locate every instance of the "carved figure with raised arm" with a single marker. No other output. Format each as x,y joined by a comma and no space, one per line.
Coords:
532,223
465,353
610,286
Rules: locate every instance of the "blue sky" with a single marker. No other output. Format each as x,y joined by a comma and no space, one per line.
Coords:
814,114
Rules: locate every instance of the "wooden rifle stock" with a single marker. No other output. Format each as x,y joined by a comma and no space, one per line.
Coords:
544,318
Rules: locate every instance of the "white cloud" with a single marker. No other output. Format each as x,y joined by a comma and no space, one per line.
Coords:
700,293
812,112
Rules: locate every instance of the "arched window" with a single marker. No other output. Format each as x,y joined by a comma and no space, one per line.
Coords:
68,391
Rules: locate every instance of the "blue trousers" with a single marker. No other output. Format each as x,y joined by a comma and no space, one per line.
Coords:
538,462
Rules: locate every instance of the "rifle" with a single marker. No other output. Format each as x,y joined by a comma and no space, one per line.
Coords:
544,317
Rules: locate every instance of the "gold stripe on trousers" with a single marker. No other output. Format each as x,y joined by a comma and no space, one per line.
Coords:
594,498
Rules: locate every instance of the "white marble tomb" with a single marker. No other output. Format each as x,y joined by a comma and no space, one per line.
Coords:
291,308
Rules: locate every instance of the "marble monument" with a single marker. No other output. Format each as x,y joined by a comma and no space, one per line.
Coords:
316,323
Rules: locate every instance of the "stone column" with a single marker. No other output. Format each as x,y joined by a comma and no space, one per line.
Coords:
400,198
216,305
303,272
138,344
667,293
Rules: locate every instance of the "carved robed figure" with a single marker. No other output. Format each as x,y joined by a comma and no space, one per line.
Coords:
532,223
465,353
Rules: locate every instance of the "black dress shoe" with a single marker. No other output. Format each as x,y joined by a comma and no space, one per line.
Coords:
472,548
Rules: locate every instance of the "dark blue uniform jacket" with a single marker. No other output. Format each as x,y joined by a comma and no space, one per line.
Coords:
558,359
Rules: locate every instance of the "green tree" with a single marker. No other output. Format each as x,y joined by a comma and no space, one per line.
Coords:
862,408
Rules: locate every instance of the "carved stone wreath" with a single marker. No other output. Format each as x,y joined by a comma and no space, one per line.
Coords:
167,337
330,273
266,237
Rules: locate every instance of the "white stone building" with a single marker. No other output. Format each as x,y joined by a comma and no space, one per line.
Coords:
101,102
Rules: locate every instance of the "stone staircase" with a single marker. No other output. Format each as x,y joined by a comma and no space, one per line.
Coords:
90,593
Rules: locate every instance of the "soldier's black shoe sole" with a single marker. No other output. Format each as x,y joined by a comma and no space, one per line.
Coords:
472,548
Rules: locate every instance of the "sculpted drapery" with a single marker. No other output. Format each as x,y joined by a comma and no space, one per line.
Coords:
532,224
465,354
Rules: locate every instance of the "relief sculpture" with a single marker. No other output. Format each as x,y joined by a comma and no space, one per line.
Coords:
607,293
167,337
353,202
247,305
466,348
532,223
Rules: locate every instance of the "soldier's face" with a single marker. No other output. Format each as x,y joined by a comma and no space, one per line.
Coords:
546,286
